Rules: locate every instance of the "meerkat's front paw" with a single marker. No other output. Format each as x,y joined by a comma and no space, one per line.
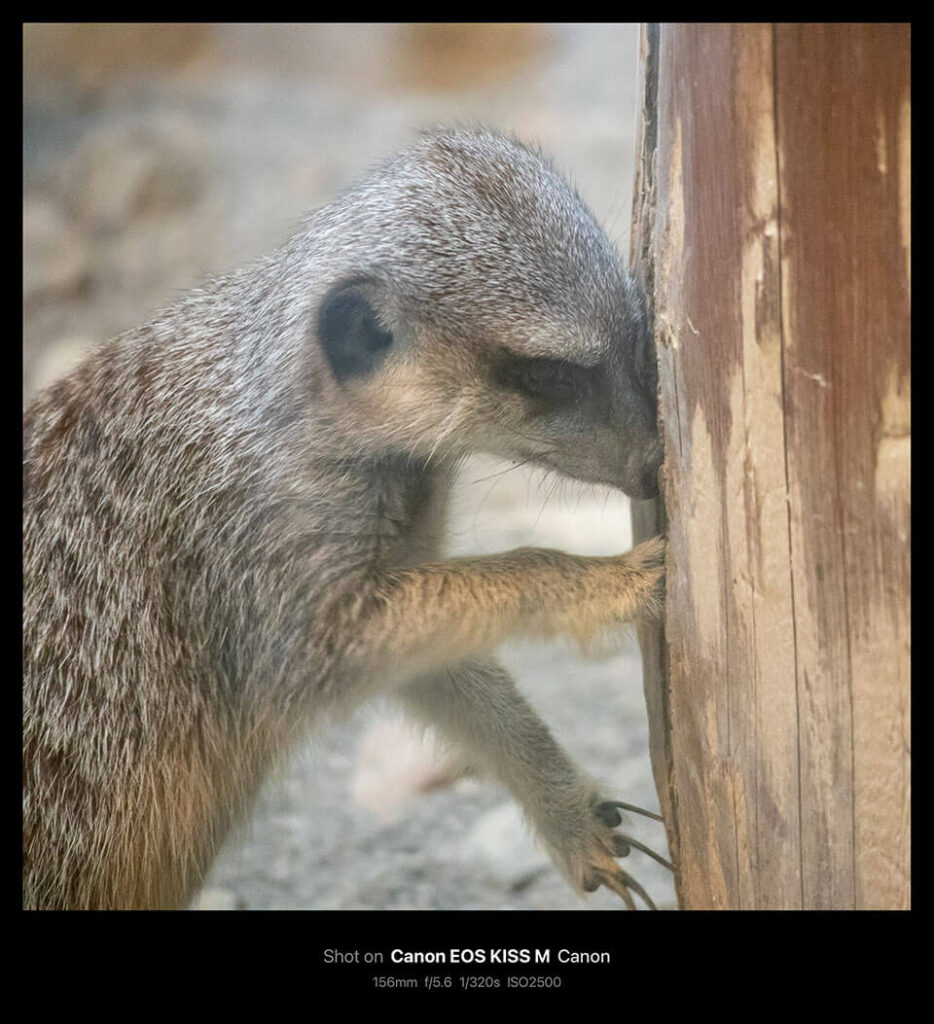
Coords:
647,563
631,587
605,871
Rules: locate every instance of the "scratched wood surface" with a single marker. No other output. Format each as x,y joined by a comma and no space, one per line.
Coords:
772,225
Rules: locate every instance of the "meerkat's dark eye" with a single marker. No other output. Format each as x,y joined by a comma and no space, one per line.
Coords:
555,381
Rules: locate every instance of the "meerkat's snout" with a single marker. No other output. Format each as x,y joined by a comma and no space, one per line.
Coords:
642,481
642,448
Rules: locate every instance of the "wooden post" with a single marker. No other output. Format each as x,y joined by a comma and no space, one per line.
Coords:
772,227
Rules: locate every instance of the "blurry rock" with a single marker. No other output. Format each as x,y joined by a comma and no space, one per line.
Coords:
396,761
215,899
132,169
56,258
500,845
149,264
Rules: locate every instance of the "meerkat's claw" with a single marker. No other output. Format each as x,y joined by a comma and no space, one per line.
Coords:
621,882
602,809
621,844
629,841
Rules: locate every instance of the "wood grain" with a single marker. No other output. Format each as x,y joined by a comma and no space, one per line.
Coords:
772,225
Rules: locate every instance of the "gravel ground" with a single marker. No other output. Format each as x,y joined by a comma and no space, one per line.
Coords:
153,158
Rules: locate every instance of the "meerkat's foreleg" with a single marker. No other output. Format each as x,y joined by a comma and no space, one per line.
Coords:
411,621
477,707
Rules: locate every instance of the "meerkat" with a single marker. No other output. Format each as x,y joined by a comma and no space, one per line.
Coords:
234,519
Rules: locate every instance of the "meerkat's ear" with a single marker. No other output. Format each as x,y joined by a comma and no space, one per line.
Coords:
349,330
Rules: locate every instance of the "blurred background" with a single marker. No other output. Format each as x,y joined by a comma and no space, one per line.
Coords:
156,155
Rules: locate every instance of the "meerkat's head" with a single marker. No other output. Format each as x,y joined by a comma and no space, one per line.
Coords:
476,305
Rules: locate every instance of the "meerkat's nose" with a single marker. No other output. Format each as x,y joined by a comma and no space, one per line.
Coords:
649,483
644,483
